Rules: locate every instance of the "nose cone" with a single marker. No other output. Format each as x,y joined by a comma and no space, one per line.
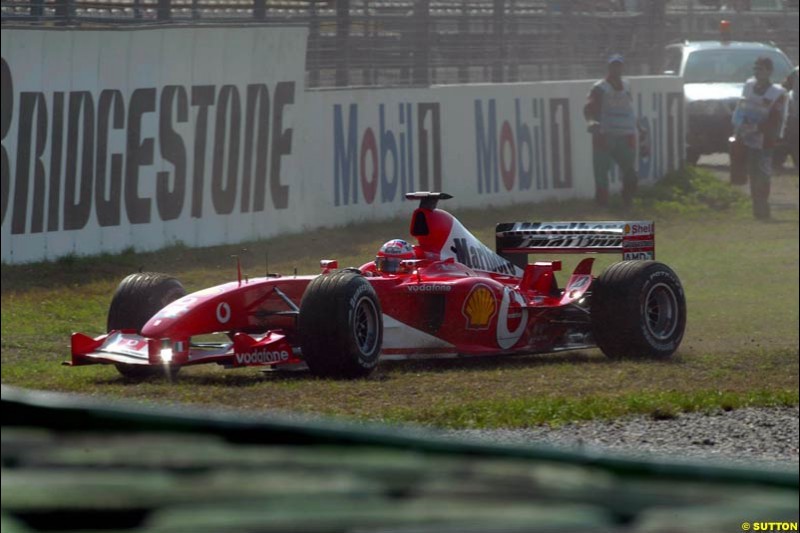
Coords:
184,317
161,323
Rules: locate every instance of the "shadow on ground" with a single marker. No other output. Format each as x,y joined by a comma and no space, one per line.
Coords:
387,370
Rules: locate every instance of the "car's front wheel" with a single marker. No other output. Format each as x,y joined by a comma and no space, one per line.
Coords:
341,325
638,310
137,298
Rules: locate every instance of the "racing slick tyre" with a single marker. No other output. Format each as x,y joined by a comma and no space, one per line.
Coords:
341,325
638,310
137,298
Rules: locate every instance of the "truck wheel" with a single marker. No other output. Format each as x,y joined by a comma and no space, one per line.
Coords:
692,156
137,298
638,310
341,325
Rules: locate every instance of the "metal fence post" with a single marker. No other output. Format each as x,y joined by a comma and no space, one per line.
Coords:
65,11
164,9
313,52
570,36
37,9
421,47
463,30
512,49
656,20
498,61
260,9
342,43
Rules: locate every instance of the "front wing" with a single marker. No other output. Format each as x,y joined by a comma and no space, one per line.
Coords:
127,347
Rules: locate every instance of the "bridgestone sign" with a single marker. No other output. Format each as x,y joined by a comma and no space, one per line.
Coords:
113,139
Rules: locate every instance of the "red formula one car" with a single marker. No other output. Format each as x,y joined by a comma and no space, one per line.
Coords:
449,295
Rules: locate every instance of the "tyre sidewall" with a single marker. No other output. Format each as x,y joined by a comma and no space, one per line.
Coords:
655,275
326,324
619,310
363,290
137,298
140,296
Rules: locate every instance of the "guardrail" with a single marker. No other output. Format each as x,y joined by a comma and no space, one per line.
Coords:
423,42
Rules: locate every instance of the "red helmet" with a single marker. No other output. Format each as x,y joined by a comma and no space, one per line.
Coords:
391,254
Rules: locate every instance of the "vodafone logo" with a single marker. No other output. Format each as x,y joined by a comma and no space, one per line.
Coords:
223,312
429,288
262,357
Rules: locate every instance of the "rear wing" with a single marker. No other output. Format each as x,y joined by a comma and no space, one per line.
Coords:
635,240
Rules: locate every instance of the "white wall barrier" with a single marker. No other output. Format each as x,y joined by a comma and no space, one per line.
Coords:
485,144
144,138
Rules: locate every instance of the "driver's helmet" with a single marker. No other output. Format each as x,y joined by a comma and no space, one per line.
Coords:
391,254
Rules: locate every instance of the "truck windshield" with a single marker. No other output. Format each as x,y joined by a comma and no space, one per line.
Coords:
730,66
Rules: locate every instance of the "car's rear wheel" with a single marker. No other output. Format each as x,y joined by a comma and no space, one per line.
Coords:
341,325
638,310
137,298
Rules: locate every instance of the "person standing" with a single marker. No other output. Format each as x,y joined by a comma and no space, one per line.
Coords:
793,121
612,123
757,123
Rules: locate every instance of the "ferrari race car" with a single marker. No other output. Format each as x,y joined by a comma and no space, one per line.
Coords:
449,295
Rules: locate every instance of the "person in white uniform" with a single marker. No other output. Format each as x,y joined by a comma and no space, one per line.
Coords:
612,123
757,123
792,85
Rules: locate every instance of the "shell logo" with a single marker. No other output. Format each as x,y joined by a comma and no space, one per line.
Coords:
627,230
480,307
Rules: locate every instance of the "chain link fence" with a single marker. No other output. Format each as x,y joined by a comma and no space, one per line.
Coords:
424,42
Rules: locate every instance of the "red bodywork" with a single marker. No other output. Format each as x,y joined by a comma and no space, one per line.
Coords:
458,297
